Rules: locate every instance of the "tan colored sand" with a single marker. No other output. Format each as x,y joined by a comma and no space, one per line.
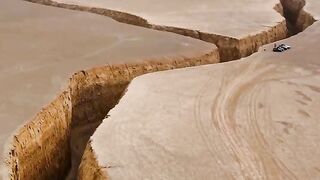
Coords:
313,7
41,47
232,18
256,118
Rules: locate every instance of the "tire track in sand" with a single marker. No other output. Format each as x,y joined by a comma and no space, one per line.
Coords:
237,144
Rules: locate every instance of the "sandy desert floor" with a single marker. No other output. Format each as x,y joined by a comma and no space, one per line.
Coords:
237,28
205,16
63,68
41,47
256,118
312,6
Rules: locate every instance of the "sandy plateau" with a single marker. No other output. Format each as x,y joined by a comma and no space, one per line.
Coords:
256,118
41,48
64,67
238,28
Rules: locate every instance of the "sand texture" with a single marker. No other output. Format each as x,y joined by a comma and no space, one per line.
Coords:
40,49
256,118
237,28
313,7
205,16
64,67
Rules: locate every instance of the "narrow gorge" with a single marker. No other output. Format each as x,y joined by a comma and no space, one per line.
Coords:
51,145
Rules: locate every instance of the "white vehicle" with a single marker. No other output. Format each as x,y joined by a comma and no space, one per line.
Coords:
281,48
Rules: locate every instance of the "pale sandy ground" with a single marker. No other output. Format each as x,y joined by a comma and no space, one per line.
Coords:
41,47
256,118
232,18
313,7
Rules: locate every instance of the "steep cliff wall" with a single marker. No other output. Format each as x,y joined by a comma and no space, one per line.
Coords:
96,91
40,150
232,48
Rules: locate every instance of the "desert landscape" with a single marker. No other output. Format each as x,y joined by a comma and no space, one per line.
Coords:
159,90
256,118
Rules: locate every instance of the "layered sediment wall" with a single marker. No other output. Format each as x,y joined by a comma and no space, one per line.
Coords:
232,48
96,91
55,139
40,150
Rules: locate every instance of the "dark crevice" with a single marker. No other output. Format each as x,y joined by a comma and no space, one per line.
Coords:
297,18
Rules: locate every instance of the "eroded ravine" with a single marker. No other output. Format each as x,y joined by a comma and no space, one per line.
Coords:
94,92
56,44
89,169
75,114
256,118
